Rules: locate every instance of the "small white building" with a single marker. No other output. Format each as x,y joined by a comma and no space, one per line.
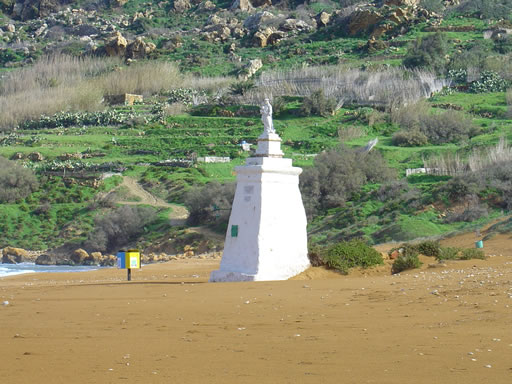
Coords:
266,237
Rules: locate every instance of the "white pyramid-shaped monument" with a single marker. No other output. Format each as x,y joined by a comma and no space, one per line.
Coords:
266,237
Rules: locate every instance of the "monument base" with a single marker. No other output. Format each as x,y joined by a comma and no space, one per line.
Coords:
227,276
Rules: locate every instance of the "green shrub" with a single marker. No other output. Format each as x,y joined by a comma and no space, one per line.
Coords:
210,204
119,227
448,127
485,9
429,248
405,262
339,173
16,182
449,253
349,254
472,253
413,138
503,45
242,87
318,104
428,52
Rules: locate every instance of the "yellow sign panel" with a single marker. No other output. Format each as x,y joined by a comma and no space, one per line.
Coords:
132,259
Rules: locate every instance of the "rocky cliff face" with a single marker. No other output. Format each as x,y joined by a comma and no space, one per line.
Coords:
31,9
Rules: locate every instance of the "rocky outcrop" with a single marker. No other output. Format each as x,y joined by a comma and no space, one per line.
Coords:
242,5
220,29
255,22
79,256
267,36
46,259
181,6
206,6
35,156
11,255
296,25
389,17
248,5
31,9
116,45
138,49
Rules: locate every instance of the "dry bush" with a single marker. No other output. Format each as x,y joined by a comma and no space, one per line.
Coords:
445,127
65,83
408,116
28,105
452,164
212,84
54,72
349,133
52,84
389,87
141,78
154,77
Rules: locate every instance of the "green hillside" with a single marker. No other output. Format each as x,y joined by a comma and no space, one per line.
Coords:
429,79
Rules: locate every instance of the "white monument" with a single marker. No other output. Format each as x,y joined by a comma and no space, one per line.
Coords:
266,237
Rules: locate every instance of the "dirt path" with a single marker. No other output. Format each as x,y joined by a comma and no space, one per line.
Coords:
178,213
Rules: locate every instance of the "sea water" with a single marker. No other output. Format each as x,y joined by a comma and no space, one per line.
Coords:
18,269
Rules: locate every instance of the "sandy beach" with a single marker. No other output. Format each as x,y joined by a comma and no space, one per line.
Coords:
448,324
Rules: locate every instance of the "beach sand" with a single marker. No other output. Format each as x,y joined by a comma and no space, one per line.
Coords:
449,324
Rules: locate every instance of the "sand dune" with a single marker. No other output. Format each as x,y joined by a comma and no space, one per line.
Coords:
436,325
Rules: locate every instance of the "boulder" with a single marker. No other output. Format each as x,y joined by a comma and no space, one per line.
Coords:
46,259
116,45
108,261
79,256
254,22
362,20
216,20
250,69
261,3
117,3
11,255
401,3
295,25
10,28
173,43
322,19
32,9
35,156
260,38
18,156
276,37
216,33
242,5
207,6
138,49
181,6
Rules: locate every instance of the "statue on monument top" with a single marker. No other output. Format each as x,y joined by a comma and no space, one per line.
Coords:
266,117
